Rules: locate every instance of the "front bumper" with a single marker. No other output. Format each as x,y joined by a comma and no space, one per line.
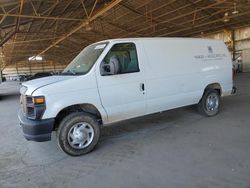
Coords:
36,130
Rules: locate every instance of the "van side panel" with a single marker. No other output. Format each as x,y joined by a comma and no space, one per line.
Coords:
180,69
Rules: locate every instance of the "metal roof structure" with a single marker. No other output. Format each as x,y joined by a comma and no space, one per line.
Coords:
59,29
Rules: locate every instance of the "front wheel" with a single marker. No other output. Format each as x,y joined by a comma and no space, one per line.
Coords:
78,133
210,103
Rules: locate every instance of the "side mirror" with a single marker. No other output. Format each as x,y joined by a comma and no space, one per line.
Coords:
105,69
111,68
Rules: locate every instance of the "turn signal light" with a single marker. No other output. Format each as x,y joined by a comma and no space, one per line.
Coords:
38,100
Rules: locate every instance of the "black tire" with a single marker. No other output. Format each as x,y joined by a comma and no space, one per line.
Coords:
203,106
66,125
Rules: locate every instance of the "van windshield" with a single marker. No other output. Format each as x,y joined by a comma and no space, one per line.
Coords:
85,60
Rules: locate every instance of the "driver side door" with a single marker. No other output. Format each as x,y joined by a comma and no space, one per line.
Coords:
123,94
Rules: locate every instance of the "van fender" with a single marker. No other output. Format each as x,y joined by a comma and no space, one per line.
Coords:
86,107
215,86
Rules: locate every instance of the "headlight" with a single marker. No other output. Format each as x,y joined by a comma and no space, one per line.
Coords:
34,107
39,106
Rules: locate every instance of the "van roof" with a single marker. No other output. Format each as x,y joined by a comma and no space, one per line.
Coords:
158,38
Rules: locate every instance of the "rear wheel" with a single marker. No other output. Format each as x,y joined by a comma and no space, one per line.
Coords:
210,103
78,133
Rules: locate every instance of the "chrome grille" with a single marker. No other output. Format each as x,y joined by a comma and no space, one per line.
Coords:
28,100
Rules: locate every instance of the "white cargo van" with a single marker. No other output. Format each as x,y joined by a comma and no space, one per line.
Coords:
119,79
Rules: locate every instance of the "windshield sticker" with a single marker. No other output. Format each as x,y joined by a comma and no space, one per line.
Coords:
101,46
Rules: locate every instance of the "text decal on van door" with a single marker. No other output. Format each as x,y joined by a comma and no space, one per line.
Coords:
210,56
210,50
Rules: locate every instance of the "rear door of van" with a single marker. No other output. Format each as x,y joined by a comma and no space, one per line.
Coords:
123,95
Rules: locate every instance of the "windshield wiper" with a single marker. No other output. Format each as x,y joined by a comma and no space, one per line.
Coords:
69,72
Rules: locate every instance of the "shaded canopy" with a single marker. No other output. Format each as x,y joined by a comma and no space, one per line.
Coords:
59,29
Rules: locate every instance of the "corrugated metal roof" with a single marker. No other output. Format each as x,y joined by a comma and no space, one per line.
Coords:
43,23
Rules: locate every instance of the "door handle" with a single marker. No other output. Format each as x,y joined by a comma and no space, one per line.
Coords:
142,87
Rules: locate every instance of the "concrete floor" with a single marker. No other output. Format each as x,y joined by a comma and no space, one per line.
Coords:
178,148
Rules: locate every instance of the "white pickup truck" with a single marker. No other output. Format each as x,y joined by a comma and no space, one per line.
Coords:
119,79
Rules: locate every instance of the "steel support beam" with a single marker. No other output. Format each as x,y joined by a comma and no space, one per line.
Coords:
8,37
202,24
39,17
84,23
18,18
233,44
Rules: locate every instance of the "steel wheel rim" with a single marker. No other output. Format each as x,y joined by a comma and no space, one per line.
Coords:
80,135
212,102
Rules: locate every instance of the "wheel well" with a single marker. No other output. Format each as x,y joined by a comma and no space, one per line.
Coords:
87,108
215,86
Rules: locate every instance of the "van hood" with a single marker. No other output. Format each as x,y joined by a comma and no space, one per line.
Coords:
30,86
